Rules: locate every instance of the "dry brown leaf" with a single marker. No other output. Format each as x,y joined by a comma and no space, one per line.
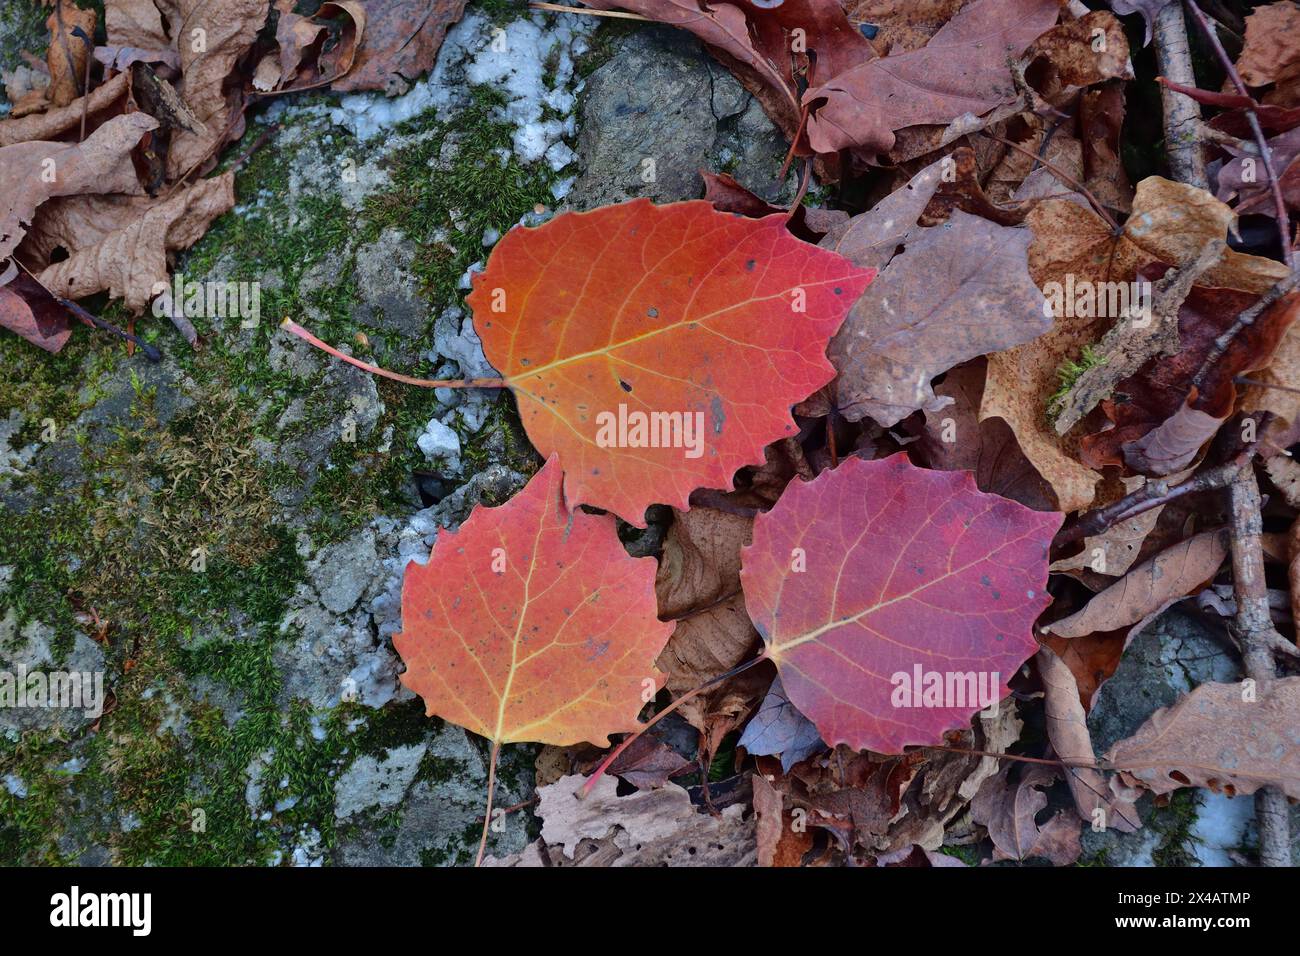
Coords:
647,828
964,68
1171,223
1173,444
1215,737
902,25
68,51
216,36
1169,576
138,23
1008,804
780,842
1079,53
957,292
1284,370
1116,549
401,41
698,586
30,311
129,262
1284,472
47,125
1067,730
1271,52
31,173
954,439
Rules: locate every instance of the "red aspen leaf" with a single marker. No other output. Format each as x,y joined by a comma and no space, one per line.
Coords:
905,568
599,320
532,623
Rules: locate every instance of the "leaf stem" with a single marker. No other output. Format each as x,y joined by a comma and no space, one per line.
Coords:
291,326
627,741
491,788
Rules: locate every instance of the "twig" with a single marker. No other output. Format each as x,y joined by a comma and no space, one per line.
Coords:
1153,494
1293,570
1244,320
559,8
89,318
1063,176
1182,114
1254,629
1257,131
627,741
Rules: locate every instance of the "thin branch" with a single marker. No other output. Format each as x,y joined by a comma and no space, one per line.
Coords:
1153,494
1182,114
1063,176
1254,628
1243,321
560,8
627,741
1257,131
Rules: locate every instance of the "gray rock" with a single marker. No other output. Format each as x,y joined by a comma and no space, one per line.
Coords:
662,104
390,296
331,659
1175,653
374,782
41,689
342,572
439,823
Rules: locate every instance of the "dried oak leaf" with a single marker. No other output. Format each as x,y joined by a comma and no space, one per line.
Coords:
31,173
675,310
1169,576
1067,730
130,261
878,569
1214,737
647,828
72,37
954,439
1009,804
228,30
1073,248
532,623
1271,52
400,41
962,69
956,292
139,23
698,588
97,105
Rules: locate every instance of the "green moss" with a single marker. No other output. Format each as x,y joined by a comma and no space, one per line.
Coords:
457,181
1068,375
1174,823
